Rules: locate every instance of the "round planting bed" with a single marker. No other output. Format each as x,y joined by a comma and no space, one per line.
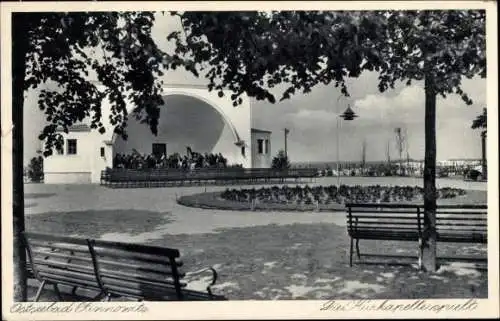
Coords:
320,198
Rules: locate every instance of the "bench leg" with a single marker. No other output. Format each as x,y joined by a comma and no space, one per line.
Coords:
357,249
350,252
58,293
420,254
40,288
101,296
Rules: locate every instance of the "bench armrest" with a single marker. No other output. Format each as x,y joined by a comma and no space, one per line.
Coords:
213,280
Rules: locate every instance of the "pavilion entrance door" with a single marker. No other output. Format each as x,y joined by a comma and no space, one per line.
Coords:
159,149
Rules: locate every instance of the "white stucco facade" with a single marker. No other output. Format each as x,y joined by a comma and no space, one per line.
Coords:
261,148
192,116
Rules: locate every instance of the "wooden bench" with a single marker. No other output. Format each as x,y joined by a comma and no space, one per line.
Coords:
405,222
113,269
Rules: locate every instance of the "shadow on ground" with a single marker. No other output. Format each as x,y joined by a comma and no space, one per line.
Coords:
38,195
94,224
310,261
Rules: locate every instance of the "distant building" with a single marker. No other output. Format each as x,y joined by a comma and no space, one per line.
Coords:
191,117
261,148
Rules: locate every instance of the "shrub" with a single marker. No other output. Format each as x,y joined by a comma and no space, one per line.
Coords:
35,169
473,174
280,161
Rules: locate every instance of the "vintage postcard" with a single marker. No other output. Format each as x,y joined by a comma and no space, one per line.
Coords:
249,160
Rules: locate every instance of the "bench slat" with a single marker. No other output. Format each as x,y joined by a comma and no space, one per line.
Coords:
409,217
108,256
135,276
463,231
460,213
460,238
130,266
462,222
396,237
380,212
385,205
64,265
464,206
145,292
55,278
68,247
466,219
395,225
75,275
135,282
68,256
362,222
375,215
377,229
108,247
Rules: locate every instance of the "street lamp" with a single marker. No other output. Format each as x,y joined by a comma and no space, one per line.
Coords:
349,115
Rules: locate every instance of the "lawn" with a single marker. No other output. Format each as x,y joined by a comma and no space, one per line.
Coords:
259,255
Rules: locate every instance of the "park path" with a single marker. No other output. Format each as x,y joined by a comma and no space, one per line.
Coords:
41,199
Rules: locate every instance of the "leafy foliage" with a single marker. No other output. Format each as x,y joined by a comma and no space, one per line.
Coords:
480,121
288,51
280,161
300,49
68,49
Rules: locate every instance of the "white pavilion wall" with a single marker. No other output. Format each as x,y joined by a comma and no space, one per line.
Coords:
184,121
68,169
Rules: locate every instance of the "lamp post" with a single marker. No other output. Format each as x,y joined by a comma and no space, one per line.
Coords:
349,115
286,130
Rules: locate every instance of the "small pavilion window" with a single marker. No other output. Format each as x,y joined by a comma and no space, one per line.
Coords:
159,149
71,143
103,154
260,146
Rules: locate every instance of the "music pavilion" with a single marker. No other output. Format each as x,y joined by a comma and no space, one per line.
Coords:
190,117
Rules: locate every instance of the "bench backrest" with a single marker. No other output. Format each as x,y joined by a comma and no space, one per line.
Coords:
460,220
137,270
451,220
384,216
60,259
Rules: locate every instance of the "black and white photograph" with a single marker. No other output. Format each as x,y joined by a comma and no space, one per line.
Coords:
252,155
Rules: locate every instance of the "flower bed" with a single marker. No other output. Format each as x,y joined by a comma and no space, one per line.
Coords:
325,195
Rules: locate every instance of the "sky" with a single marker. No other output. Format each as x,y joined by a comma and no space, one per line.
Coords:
312,118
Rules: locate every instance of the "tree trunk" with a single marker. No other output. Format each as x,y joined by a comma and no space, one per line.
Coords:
483,154
429,231
19,48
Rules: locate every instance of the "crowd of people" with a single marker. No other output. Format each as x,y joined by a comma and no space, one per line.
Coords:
191,160
334,194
